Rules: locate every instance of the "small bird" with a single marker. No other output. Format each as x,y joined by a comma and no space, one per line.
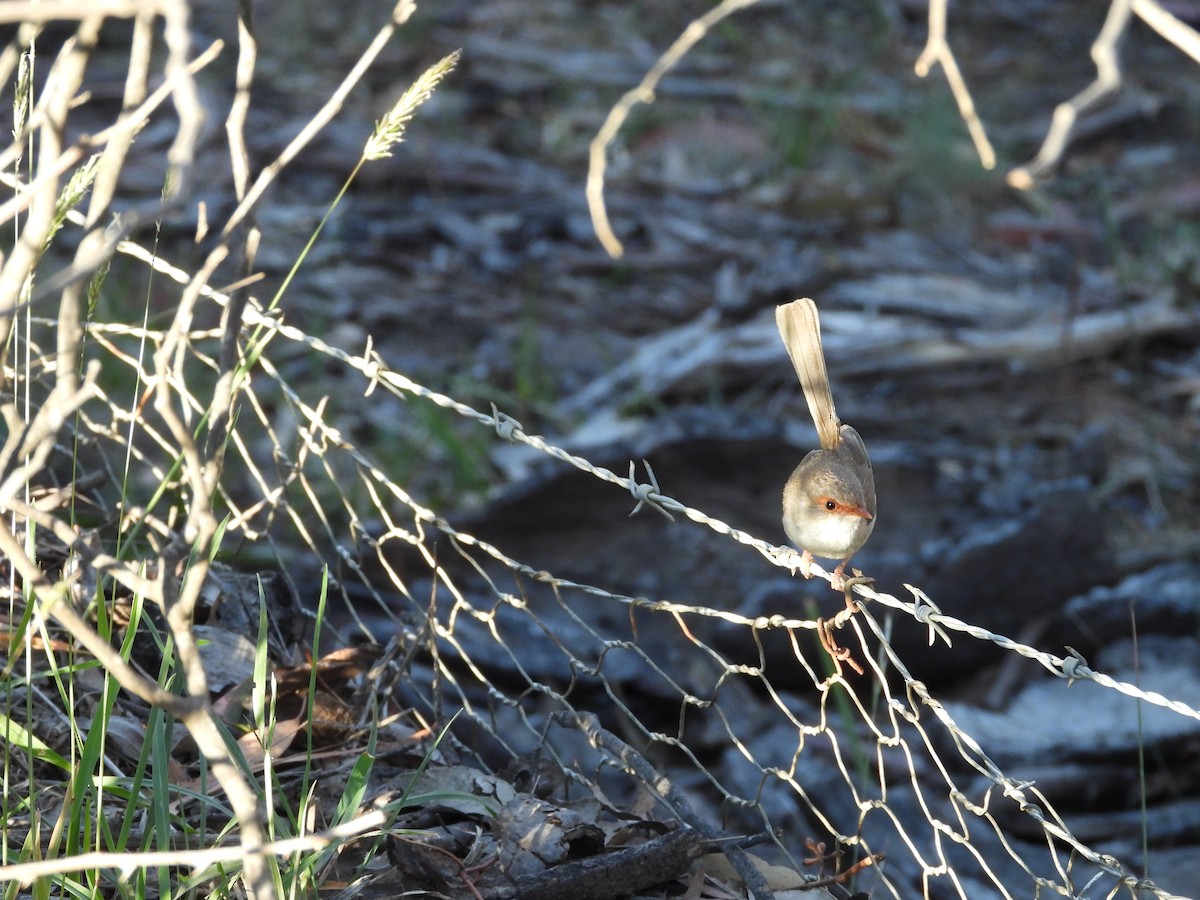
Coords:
829,501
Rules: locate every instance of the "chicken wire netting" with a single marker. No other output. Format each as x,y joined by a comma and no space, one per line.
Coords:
548,671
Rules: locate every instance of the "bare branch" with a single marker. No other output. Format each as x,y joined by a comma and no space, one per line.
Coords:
323,116
1168,27
937,50
1108,79
643,93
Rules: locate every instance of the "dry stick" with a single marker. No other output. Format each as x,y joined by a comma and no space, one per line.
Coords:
643,93
137,79
938,51
1108,79
201,527
197,860
86,263
64,80
235,122
178,605
239,156
181,155
400,15
660,785
70,307
1168,27
129,124
69,76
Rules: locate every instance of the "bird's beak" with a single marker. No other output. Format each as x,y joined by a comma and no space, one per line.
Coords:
860,512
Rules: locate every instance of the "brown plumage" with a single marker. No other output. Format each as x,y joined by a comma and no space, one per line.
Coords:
829,500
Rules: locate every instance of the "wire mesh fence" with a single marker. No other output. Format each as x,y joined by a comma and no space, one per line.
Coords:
876,769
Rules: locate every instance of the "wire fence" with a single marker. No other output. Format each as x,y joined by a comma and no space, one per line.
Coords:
877,768
888,772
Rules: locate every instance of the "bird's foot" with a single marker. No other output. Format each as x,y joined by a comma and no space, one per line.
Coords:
847,585
806,561
838,581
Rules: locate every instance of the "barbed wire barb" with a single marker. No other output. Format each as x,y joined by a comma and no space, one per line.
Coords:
646,494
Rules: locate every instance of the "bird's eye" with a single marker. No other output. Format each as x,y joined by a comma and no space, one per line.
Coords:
830,505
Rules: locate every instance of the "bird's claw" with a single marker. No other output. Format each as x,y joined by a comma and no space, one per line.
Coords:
848,585
806,561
